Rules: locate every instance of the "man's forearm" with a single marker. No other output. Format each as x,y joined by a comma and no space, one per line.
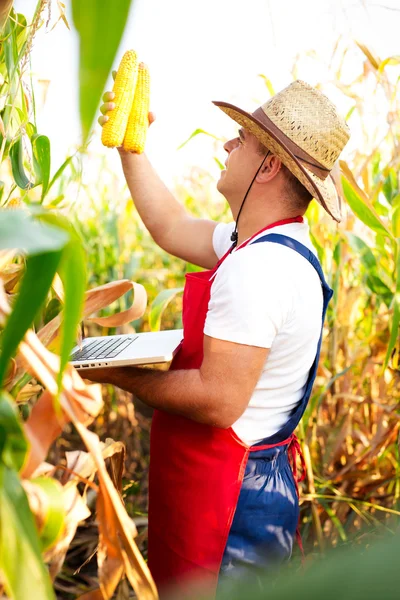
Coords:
156,205
180,392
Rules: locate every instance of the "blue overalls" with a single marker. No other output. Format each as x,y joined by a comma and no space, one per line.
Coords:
267,513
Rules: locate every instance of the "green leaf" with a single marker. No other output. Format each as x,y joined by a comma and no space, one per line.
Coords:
219,163
10,47
39,274
41,151
395,325
350,112
353,572
19,230
158,306
17,166
73,275
364,212
22,568
198,132
55,511
380,288
268,83
60,171
362,249
53,308
396,222
13,444
100,32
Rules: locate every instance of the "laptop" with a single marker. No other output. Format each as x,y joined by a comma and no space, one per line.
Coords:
127,349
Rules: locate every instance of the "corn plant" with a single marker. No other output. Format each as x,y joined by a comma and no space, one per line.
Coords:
42,302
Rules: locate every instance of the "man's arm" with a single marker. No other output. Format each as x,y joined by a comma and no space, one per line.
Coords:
216,394
171,227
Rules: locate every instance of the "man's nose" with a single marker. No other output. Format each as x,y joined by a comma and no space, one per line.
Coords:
228,146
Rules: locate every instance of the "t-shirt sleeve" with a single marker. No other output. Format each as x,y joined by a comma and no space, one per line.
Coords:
248,306
222,238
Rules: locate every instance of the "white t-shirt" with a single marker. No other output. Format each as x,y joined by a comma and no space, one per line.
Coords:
270,296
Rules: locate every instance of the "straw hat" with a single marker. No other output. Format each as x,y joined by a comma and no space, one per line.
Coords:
303,128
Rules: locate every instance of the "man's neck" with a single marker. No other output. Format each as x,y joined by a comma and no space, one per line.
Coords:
247,228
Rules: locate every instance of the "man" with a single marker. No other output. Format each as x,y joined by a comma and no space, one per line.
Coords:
222,494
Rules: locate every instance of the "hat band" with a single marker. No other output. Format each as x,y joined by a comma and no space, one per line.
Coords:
313,165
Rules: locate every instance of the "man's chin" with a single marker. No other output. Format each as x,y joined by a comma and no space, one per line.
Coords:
220,183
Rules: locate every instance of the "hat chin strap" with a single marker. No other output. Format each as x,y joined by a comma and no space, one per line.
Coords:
234,236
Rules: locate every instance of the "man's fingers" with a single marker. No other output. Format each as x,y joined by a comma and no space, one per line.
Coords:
152,118
108,96
107,107
102,120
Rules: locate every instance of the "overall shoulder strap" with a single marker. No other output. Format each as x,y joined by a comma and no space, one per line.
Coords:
298,412
289,242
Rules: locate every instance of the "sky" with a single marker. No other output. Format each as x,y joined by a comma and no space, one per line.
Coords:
209,50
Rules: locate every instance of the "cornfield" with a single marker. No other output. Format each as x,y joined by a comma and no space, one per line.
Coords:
65,261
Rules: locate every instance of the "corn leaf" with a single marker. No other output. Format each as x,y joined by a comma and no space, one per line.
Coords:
41,151
396,222
364,212
362,250
158,306
59,172
395,326
17,166
268,84
47,496
100,33
21,564
345,573
13,444
195,133
73,276
39,274
20,230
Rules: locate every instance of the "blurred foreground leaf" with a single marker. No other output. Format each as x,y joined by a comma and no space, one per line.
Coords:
24,573
100,27
351,574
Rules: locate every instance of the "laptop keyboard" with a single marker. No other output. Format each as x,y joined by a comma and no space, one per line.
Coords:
104,348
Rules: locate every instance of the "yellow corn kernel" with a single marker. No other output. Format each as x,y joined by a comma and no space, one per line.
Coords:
124,89
138,123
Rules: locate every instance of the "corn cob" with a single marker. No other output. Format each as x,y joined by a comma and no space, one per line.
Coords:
138,123
124,89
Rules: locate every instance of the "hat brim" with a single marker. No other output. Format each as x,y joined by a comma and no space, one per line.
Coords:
323,190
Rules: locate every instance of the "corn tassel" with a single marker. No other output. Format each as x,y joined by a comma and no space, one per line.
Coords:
138,123
124,89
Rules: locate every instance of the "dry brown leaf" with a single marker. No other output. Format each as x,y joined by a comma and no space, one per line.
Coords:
4,305
27,392
58,287
117,550
373,59
134,312
82,463
96,299
10,275
118,528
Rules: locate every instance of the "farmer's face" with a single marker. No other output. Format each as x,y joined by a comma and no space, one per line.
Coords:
242,163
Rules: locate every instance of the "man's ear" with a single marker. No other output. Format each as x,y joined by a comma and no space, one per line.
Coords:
270,169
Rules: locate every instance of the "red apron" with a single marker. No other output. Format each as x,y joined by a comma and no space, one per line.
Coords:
196,470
